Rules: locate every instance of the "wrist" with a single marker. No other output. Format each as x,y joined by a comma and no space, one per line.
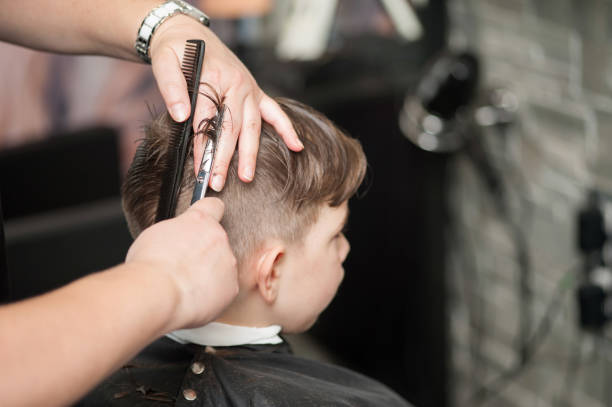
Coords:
160,15
116,38
176,30
157,290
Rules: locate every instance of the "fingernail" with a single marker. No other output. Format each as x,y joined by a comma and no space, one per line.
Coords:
217,183
248,173
179,112
300,144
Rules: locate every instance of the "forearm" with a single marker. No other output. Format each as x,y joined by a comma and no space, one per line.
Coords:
66,341
106,27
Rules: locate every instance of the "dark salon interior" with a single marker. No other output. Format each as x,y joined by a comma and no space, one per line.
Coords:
480,273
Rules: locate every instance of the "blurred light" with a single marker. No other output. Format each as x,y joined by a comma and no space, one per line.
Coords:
428,142
404,19
486,116
432,124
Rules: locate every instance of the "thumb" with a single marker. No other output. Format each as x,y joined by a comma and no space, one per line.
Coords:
208,206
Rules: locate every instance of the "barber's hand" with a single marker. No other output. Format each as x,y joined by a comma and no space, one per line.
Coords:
193,251
247,103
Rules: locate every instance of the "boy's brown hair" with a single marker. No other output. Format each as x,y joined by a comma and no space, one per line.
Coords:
288,189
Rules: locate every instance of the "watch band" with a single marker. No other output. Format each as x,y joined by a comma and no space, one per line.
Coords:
157,16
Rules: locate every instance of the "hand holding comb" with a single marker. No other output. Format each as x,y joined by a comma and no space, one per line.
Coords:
181,135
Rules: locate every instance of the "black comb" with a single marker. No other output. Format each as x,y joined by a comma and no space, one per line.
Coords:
181,134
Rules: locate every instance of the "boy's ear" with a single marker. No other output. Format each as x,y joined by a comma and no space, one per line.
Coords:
268,273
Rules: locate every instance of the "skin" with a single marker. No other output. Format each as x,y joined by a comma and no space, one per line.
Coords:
291,284
312,272
56,347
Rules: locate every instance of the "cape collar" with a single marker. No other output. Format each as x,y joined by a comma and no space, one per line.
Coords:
218,334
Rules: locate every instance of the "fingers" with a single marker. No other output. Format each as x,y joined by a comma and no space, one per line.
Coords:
208,207
226,144
171,83
200,264
205,109
272,113
225,73
246,128
248,143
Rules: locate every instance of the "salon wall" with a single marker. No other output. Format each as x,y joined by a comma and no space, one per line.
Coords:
555,57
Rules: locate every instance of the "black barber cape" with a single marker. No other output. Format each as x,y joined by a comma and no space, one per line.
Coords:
170,374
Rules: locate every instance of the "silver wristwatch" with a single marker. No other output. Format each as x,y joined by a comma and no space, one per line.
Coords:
157,16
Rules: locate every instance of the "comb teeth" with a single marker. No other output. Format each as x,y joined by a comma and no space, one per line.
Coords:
189,66
181,134
178,139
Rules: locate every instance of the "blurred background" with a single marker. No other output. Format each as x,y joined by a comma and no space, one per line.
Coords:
479,271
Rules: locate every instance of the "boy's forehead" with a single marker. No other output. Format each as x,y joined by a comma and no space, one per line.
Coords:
337,215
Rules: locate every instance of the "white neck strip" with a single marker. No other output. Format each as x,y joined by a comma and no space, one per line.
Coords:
218,334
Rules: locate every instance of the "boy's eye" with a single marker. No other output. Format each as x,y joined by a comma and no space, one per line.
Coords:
342,232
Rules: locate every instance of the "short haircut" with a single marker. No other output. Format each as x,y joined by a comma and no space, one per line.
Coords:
288,190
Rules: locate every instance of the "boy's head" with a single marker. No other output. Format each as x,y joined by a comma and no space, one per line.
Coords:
284,227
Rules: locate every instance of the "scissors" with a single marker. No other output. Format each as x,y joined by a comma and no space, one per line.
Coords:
208,158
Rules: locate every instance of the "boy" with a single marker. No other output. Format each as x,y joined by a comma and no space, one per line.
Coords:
285,228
